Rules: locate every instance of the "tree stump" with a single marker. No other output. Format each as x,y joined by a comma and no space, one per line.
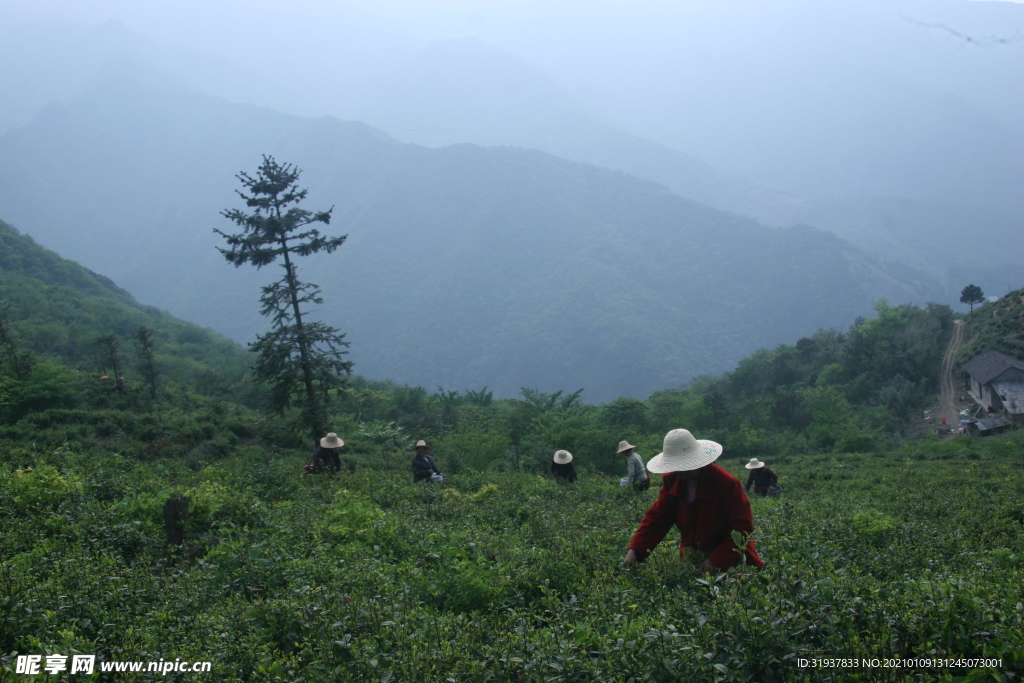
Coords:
176,518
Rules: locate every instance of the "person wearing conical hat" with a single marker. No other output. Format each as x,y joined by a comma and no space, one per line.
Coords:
326,458
702,499
423,466
636,473
562,468
761,476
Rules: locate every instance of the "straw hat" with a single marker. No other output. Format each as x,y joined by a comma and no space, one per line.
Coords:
754,464
681,452
331,441
422,444
624,446
563,457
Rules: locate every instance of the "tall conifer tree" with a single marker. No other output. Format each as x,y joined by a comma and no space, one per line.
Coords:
298,361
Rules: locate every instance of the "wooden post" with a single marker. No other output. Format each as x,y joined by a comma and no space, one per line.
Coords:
176,518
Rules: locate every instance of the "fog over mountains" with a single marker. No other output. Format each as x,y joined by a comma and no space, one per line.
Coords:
465,265
597,238
791,111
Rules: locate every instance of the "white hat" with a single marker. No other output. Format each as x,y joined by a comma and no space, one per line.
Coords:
422,444
331,441
754,464
624,446
681,453
563,457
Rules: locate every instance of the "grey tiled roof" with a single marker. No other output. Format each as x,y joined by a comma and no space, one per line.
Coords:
989,364
992,423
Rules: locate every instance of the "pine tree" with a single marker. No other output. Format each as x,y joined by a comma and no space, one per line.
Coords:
972,294
298,361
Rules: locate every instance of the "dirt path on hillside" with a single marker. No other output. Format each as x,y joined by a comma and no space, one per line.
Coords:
947,400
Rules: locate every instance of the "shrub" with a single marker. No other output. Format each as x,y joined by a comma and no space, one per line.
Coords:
350,518
214,504
39,489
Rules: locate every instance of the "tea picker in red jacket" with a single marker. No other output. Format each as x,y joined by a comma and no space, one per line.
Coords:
702,499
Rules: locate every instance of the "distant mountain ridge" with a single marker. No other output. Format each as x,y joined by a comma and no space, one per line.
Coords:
904,171
465,266
465,90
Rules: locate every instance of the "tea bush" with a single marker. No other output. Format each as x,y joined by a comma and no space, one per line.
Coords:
34,491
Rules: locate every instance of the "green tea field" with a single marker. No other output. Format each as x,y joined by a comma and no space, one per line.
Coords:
905,565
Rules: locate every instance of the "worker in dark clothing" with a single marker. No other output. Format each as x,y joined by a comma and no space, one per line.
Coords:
326,458
423,466
762,477
562,468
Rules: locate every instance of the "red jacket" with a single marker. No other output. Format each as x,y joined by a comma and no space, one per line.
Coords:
719,507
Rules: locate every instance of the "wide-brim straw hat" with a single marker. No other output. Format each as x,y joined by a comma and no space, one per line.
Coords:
422,444
625,446
331,441
563,457
754,464
681,452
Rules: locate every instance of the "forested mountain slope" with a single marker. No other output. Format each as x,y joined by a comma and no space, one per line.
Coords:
57,309
465,266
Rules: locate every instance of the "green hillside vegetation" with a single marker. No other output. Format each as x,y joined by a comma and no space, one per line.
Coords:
465,266
55,310
998,325
832,392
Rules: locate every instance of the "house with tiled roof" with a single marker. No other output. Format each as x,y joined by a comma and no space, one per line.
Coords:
997,382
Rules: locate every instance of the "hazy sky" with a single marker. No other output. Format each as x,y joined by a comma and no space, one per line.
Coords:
559,34
245,26
641,65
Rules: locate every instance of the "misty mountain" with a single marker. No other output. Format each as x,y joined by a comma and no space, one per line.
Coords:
465,266
50,61
450,91
833,100
874,125
954,242
904,171
466,90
